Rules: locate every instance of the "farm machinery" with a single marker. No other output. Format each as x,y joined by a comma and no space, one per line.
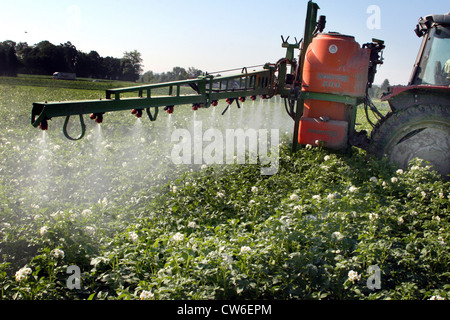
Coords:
322,88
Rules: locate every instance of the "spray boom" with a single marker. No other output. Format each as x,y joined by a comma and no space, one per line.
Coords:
205,91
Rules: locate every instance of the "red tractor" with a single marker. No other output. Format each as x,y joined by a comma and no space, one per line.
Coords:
419,124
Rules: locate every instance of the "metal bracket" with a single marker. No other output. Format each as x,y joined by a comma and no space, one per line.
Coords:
151,116
83,128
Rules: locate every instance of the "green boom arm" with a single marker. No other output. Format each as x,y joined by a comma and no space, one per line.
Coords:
205,91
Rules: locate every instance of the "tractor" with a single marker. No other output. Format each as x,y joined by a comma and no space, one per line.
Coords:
419,124
322,88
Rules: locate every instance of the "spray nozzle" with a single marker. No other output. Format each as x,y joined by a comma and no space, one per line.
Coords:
169,109
44,124
98,117
195,106
137,112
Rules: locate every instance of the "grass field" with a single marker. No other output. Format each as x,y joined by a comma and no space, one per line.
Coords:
136,226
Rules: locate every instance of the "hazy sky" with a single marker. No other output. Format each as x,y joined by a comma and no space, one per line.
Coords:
214,35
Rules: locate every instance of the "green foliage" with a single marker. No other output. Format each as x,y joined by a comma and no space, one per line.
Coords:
45,58
9,63
311,231
176,74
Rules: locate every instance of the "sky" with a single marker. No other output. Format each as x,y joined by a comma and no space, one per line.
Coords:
213,35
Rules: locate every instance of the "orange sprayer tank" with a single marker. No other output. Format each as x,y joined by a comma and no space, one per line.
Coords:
336,64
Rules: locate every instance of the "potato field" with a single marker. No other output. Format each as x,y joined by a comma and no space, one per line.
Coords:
112,217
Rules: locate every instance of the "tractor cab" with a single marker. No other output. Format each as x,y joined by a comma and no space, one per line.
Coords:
430,78
432,66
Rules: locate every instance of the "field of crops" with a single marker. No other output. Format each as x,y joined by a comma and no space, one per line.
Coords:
112,217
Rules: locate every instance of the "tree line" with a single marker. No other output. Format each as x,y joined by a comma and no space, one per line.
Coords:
377,91
46,58
177,73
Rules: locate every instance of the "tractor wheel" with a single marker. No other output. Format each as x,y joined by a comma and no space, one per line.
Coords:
415,132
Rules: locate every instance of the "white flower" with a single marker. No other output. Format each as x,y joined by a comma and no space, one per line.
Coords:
43,230
6,225
178,237
104,201
86,212
316,197
245,249
331,196
90,230
399,171
251,202
55,214
220,194
174,189
414,213
227,258
353,189
326,158
437,219
308,147
254,189
58,253
394,179
373,179
438,297
373,216
424,194
192,224
133,236
337,235
294,197
353,276
285,220
146,295
23,273
415,168
400,220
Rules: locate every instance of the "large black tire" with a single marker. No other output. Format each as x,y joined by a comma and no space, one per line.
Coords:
415,132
